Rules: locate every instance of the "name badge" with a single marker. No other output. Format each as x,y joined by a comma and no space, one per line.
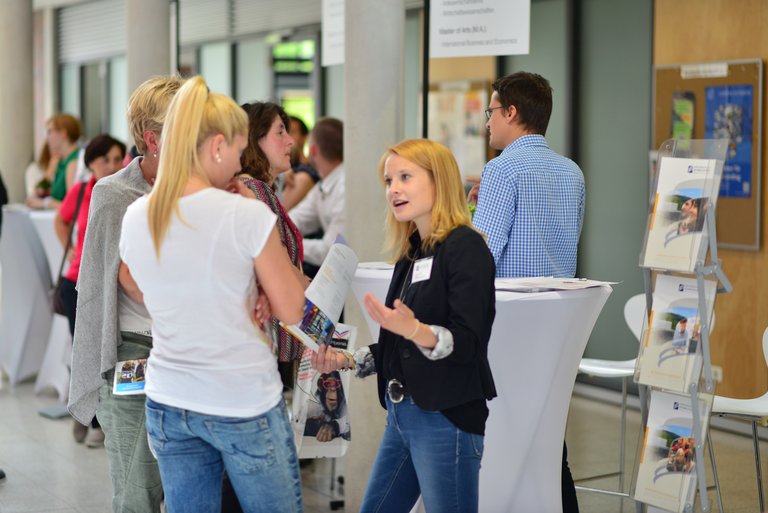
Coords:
422,269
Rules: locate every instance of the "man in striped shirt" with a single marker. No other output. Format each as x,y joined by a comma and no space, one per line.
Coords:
530,202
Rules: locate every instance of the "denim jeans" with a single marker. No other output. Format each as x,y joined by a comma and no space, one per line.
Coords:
193,450
422,452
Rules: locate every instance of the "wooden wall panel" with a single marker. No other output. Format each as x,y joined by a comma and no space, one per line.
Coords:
689,31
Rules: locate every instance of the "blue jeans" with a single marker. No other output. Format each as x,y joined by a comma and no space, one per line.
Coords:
193,450
422,452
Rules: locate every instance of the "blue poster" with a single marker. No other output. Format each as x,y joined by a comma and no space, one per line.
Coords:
729,116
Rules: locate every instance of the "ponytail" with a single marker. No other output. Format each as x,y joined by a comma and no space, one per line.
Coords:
194,115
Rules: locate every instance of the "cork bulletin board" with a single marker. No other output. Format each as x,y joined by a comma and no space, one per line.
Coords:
714,101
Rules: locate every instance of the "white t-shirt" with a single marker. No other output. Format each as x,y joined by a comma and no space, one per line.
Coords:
207,354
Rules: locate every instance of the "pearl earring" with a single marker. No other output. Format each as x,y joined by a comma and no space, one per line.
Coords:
218,158
154,154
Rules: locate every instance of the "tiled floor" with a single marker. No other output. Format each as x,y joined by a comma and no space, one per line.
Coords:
49,473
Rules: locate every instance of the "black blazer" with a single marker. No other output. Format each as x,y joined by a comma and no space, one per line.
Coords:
460,296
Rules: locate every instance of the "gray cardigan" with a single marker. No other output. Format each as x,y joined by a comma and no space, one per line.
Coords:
97,333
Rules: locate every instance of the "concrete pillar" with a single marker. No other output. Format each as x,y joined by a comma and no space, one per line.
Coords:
373,81
16,91
148,44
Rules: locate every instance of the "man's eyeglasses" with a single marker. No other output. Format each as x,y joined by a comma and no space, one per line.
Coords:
489,111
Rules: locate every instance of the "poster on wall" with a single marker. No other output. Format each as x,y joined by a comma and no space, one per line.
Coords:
472,28
456,119
729,116
682,114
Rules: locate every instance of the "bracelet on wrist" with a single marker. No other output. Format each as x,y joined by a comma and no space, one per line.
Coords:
418,325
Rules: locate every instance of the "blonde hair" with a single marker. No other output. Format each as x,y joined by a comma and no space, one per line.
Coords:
195,114
450,209
147,107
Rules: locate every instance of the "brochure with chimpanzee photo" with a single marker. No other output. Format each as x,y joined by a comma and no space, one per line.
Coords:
320,405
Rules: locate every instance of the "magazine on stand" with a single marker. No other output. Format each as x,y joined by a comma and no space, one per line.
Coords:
320,408
666,477
670,355
325,298
684,194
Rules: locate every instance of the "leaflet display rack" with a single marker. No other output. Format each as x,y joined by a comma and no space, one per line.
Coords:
682,275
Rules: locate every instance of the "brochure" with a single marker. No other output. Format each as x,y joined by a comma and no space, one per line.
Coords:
670,355
546,284
325,298
666,477
685,191
320,408
129,377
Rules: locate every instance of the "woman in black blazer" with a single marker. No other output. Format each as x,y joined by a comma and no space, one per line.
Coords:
431,359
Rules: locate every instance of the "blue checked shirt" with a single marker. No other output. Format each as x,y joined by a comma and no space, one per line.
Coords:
531,207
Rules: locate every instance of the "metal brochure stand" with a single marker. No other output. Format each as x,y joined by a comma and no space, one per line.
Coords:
709,156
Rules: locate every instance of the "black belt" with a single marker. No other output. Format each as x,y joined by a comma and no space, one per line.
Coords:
396,391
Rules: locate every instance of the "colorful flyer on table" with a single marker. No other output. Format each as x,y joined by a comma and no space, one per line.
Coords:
671,355
666,477
684,194
729,116
129,377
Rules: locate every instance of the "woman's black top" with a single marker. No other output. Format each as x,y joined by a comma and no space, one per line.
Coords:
458,295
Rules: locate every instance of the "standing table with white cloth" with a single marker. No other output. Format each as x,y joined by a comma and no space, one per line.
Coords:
25,310
32,339
54,371
536,344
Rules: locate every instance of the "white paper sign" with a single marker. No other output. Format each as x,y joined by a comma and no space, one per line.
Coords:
470,28
333,32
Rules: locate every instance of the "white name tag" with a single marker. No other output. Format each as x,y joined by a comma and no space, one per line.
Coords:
422,269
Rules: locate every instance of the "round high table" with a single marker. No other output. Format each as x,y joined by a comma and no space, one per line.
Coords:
537,342
32,339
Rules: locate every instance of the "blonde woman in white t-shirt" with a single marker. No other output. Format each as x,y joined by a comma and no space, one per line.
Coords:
190,248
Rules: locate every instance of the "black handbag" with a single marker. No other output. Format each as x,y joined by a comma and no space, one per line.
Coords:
57,302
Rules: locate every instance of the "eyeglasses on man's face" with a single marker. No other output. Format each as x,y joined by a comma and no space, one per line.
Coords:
490,110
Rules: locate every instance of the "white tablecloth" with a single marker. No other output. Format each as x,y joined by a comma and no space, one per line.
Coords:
25,312
535,348
32,339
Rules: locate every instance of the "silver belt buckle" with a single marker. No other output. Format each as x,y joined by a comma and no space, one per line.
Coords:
395,391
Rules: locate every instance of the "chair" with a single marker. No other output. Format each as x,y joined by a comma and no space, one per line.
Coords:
634,313
751,409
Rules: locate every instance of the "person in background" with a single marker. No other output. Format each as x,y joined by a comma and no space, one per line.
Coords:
112,327
3,201
38,176
302,176
190,249
323,206
431,359
265,157
530,200
103,157
63,132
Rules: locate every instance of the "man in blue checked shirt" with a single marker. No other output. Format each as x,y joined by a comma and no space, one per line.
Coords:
530,202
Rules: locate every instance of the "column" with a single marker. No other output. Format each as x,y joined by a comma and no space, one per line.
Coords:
148,43
16,89
373,81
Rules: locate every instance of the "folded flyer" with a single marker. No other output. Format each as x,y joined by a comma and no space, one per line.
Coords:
670,355
667,476
325,298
